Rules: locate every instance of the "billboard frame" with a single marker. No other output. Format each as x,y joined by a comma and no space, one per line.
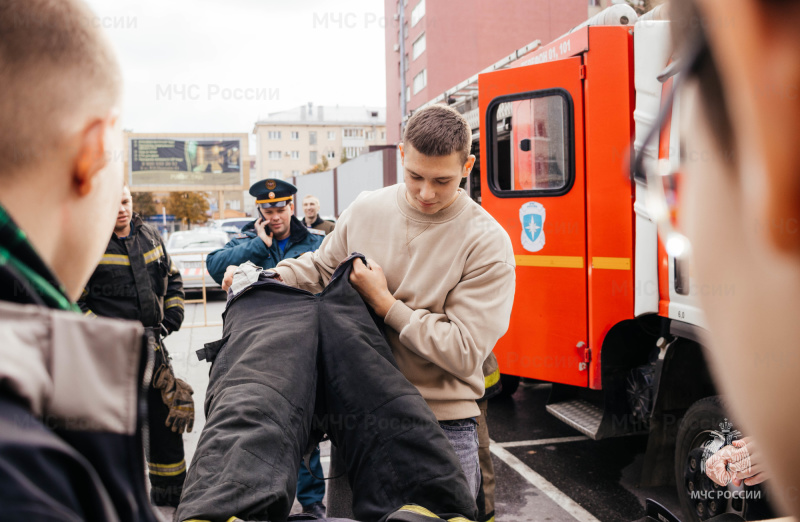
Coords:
211,136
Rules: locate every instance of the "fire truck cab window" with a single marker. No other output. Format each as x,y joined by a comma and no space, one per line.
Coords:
531,137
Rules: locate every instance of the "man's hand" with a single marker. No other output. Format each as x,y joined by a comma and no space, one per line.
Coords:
736,463
752,471
261,230
371,284
227,279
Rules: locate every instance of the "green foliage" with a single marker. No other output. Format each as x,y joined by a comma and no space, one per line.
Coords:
322,166
144,204
344,157
188,207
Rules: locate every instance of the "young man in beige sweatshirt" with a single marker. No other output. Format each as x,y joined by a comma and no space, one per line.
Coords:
440,273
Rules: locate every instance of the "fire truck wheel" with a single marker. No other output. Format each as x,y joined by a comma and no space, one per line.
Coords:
699,496
510,385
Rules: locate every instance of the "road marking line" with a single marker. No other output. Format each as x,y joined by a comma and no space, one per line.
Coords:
540,442
543,485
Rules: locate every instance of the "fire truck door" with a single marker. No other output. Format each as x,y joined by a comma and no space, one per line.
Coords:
532,151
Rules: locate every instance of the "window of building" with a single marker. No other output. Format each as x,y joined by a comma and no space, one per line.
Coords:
295,154
417,13
274,154
532,152
354,133
331,154
312,157
274,135
275,173
418,47
408,93
295,173
295,135
383,135
371,135
312,138
405,30
420,81
352,152
331,135
405,61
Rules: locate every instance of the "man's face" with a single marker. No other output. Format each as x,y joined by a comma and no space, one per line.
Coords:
278,219
311,208
432,181
125,211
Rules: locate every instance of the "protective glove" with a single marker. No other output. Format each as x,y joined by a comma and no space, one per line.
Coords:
177,395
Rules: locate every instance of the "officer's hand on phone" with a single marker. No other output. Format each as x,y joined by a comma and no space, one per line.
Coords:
263,232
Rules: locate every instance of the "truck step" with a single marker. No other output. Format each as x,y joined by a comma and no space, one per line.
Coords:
580,414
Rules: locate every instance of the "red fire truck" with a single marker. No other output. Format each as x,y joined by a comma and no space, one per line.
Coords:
602,310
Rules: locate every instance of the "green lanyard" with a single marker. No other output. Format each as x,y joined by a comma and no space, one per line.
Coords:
16,251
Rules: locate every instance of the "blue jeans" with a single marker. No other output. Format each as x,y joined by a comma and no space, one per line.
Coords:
463,436
310,489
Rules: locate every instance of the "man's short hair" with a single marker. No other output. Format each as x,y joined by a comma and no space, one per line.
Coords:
311,196
438,130
57,70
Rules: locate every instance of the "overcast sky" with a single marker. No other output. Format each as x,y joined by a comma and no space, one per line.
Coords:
181,59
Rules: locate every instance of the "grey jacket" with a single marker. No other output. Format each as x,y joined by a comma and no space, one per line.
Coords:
71,406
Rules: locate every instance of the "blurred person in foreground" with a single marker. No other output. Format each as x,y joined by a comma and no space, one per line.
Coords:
71,389
136,280
740,210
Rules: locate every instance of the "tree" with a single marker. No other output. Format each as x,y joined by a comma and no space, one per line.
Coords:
322,166
189,207
144,204
345,159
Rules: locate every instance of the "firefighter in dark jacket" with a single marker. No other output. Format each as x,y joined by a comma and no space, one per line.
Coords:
275,236
137,280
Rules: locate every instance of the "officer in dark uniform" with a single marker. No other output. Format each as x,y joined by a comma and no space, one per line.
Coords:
275,236
137,280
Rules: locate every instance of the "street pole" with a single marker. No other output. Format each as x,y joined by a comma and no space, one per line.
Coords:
402,37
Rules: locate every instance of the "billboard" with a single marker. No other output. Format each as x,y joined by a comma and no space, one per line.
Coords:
186,162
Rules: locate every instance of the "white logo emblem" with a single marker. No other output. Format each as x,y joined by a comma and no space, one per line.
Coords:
532,216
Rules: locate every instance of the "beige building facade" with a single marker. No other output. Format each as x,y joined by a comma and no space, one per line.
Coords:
292,142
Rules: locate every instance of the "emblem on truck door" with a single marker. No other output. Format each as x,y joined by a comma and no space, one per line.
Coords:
532,216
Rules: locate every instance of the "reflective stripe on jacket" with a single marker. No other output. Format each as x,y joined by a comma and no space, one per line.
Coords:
136,280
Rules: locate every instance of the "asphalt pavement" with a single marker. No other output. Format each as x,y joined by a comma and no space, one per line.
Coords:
545,470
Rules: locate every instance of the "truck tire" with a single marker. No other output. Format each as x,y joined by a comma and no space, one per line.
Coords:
703,417
510,385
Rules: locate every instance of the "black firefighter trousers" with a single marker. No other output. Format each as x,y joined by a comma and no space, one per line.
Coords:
290,361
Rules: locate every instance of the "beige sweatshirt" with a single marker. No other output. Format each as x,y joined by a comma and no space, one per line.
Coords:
452,274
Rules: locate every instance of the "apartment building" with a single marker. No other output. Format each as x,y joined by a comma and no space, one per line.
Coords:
292,142
443,43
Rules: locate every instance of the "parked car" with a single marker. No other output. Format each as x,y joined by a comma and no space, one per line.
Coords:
188,250
231,226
